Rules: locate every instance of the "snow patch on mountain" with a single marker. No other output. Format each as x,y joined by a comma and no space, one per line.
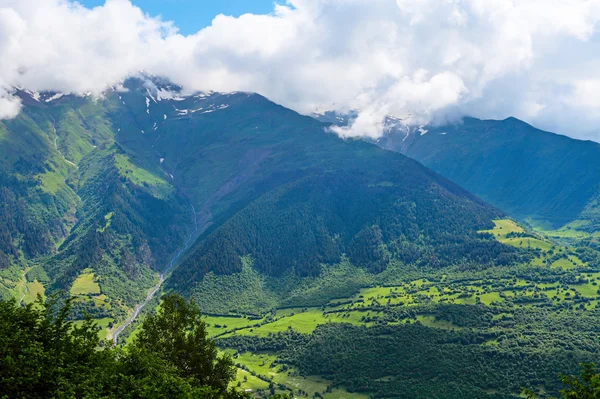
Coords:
33,94
54,97
162,94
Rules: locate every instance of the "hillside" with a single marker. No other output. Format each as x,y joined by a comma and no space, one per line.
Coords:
292,197
290,229
124,171
547,179
76,208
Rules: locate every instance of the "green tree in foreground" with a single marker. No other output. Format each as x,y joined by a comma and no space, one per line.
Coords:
584,386
178,336
44,355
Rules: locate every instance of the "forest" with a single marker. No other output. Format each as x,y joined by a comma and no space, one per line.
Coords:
44,355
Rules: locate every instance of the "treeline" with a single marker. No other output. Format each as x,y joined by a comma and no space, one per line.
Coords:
414,361
43,355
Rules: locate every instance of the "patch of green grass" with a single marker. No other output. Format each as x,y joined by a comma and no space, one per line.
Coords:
33,289
85,284
564,264
142,177
430,321
490,298
304,322
570,230
51,182
589,289
102,325
108,220
527,242
503,227
74,140
248,381
349,317
218,325
263,364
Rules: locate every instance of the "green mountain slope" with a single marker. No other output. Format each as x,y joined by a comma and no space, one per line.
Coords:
264,181
78,205
549,179
294,197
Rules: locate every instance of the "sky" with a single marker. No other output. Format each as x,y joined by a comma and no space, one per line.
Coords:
192,15
428,61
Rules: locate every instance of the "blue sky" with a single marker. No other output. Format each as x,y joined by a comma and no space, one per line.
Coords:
192,15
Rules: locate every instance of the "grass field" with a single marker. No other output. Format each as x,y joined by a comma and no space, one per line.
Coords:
304,322
573,230
261,368
219,325
102,325
527,242
430,321
108,221
33,289
85,284
142,177
51,182
503,227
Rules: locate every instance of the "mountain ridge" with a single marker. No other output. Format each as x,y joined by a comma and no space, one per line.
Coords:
534,175
143,152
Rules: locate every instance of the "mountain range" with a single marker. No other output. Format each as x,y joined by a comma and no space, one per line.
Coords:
288,236
111,183
546,179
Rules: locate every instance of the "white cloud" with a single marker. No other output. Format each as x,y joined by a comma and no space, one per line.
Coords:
432,59
9,106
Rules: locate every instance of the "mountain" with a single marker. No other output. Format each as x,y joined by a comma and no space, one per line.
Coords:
76,209
546,179
272,186
104,190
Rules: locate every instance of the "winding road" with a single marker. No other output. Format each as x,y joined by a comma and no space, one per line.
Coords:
154,290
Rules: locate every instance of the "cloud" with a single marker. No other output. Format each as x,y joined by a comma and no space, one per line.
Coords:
434,60
9,106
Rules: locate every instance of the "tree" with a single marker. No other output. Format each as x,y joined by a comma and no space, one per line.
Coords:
584,386
44,355
177,335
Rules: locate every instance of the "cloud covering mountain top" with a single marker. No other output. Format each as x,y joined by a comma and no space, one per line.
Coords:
435,60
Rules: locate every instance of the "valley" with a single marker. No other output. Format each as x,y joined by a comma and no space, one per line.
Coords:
324,267
153,291
299,199
501,311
